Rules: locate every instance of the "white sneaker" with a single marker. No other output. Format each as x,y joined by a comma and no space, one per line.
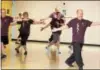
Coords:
47,50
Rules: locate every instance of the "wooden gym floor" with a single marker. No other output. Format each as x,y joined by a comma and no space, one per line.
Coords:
37,57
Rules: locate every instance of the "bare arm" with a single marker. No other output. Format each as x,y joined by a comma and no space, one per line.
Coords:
15,21
45,27
59,29
46,18
95,23
38,22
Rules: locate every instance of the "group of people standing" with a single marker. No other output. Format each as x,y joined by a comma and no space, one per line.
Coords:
57,24
24,30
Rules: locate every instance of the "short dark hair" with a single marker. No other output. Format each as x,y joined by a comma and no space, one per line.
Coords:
20,14
25,13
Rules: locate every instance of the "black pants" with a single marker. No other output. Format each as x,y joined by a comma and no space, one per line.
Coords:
4,39
24,38
19,34
76,55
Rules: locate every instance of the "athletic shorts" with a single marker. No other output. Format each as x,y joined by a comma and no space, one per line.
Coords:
55,37
4,40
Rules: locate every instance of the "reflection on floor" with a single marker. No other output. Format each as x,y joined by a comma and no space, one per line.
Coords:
37,58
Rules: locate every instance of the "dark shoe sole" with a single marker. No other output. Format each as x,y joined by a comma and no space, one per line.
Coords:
70,65
25,53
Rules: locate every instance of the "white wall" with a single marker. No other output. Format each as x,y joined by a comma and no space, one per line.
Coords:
42,9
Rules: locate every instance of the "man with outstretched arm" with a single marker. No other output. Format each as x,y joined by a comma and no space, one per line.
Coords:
79,26
57,20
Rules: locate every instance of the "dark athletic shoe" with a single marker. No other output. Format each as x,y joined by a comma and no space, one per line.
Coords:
47,50
70,65
16,50
3,56
46,47
81,68
25,53
59,52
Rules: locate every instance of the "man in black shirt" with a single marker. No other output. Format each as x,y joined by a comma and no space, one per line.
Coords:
57,20
25,31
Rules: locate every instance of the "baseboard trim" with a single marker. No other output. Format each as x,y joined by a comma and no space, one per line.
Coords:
68,43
